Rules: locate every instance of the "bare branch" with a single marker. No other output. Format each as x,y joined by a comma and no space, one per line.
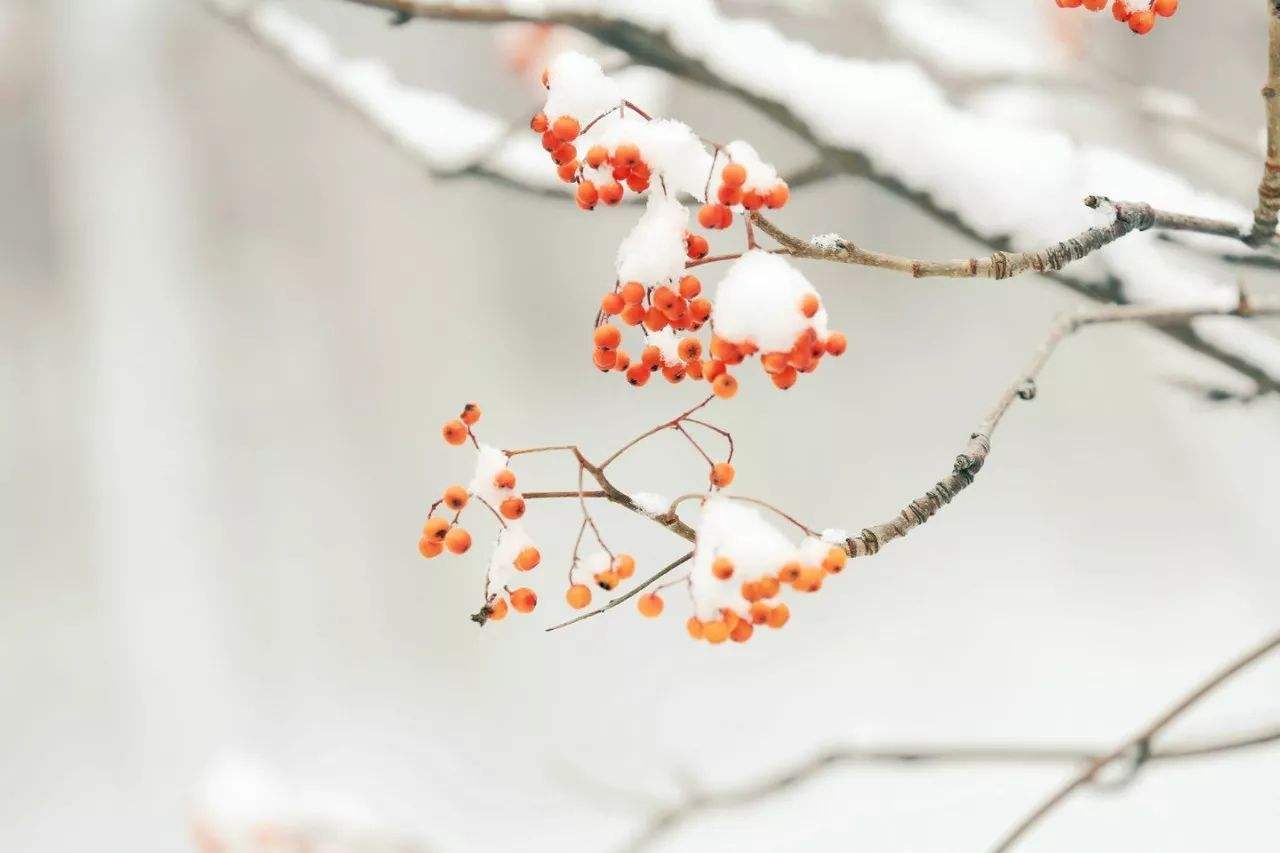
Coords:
665,821
1139,744
1264,217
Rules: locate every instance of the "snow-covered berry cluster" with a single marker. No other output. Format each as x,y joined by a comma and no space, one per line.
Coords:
493,485
742,563
1140,21
763,306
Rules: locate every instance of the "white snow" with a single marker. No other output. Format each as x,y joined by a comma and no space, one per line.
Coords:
651,502
758,300
579,88
654,251
761,176
667,343
489,461
502,569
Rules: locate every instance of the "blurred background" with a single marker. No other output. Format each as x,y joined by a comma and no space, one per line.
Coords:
232,319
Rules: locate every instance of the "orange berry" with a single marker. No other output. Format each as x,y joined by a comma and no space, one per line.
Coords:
709,216
605,359
650,606
528,558
689,349
715,632
1095,5
768,586
664,298
810,579
429,547
623,362
454,432
1120,11
632,292
651,357
550,142
696,247
638,374
596,155
524,600
836,344
611,303
435,529
690,286
785,378
712,369
733,175
760,612
742,631
728,195
677,311
722,568
724,350
774,362
505,479
470,414
752,200
789,572
455,497
726,216
673,373
607,579
624,565
834,562
721,474
607,336
578,596
512,508
778,196
563,153
693,368
568,172
694,627
1165,8
654,319
633,314
751,590
1142,22
538,124
626,155
724,386
637,184
498,609
457,540
779,615
611,193
587,195
809,304
730,617
700,309
566,128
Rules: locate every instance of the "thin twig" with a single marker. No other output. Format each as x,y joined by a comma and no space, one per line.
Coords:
1264,216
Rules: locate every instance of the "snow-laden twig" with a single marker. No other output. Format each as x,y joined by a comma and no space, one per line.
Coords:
999,183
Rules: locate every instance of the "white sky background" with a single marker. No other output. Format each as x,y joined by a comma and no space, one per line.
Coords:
233,320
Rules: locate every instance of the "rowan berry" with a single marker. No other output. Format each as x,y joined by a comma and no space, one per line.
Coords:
455,497
722,568
607,579
454,432
638,374
650,605
578,596
721,474
538,124
596,155
566,128
778,616
498,609
524,600
696,247
611,193
435,529
724,386
505,479
457,540
732,175
624,565
429,547
528,558
715,632
587,195
470,414
512,508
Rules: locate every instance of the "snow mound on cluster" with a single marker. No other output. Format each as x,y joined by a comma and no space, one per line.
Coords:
758,300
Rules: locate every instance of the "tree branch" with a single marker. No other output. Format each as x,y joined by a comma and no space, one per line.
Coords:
1264,216
667,820
1139,745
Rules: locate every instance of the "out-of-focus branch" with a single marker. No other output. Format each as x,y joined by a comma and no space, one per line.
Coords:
1139,746
697,803
1264,217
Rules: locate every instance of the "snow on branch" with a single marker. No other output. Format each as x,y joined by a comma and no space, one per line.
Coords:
1002,183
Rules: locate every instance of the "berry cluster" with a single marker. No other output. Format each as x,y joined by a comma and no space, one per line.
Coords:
604,570
738,188
603,174
1140,21
494,486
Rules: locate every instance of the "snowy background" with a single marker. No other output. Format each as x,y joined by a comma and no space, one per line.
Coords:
232,318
